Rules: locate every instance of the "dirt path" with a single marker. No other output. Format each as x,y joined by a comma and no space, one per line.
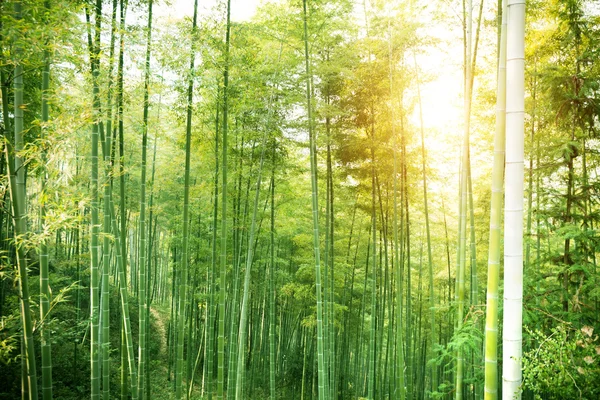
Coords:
161,386
161,330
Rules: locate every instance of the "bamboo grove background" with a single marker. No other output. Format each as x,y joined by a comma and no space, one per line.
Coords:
211,208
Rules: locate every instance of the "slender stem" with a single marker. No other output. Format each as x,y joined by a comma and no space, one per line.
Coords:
142,264
44,271
223,239
491,323
322,373
186,195
95,222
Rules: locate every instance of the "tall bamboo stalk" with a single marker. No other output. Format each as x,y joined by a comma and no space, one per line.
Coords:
223,253
212,272
272,293
512,334
399,337
105,301
124,294
434,372
329,245
463,202
491,316
95,221
152,237
186,196
30,377
406,256
123,228
249,258
371,359
142,264
16,176
44,272
107,187
322,373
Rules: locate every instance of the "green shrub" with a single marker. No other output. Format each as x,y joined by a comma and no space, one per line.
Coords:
564,365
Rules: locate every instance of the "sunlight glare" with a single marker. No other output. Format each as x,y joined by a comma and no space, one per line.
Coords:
241,10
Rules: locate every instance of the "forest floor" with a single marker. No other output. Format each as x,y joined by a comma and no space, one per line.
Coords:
161,329
161,385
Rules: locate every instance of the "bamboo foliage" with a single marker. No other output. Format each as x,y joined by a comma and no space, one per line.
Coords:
375,318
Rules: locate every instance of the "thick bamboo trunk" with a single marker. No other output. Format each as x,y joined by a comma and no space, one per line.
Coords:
491,323
513,215
16,175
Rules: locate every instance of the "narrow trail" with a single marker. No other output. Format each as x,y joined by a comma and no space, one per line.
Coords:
160,385
161,330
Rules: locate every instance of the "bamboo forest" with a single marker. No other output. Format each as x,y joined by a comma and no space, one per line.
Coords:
300,199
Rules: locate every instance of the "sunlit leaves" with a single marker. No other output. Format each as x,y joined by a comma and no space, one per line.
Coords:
563,363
